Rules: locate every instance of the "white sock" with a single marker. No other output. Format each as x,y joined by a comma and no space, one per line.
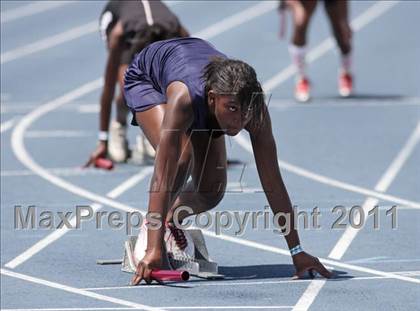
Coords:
298,53
346,63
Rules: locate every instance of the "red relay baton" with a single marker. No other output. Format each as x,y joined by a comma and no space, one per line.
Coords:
106,164
170,275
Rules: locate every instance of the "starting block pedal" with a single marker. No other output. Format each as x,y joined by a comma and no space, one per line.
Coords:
200,266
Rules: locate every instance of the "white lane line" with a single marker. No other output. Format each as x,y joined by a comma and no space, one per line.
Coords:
308,297
23,156
58,134
368,260
384,182
238,19
58,233
89,108
130,183
399,160
91,27
373,12
23,107
167,308
348,236
49,42
375,262
76,291
252,283
68,171
42,6
30,9
16,107
332,102
325,261
7,125
246,144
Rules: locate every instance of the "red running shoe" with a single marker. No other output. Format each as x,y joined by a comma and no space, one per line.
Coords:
345,84
302,90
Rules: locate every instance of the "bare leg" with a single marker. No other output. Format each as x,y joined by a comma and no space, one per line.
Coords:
208,184
337,12
150,122
122,109
302,12
208,170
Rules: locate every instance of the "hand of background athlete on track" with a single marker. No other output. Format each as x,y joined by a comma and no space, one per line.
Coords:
100,152
304,262
144,268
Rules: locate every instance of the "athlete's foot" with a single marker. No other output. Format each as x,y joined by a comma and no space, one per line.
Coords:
148,150
302,90
178,242
143,152
117,144
345,84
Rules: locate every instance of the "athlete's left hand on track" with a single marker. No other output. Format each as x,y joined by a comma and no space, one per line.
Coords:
304,262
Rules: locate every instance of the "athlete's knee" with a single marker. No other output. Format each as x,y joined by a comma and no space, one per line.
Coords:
302,17
302,20
213,196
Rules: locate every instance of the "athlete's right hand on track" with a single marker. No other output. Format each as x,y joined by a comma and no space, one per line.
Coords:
306,263
145,266
100,152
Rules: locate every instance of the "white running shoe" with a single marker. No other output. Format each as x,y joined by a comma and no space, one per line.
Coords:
141,244
143,152
148,148
118,144
178,243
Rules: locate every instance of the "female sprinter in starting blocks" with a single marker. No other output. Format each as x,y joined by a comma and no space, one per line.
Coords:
127,27
186,96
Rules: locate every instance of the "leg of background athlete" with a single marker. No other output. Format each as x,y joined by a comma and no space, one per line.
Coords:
122,109
337,12
118,144
302,12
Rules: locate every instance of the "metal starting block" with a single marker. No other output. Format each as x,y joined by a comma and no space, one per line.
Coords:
201,266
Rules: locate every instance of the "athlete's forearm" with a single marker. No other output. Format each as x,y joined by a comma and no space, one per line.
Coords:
265,154
105,112
115,48
280,204
163,182
111,75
